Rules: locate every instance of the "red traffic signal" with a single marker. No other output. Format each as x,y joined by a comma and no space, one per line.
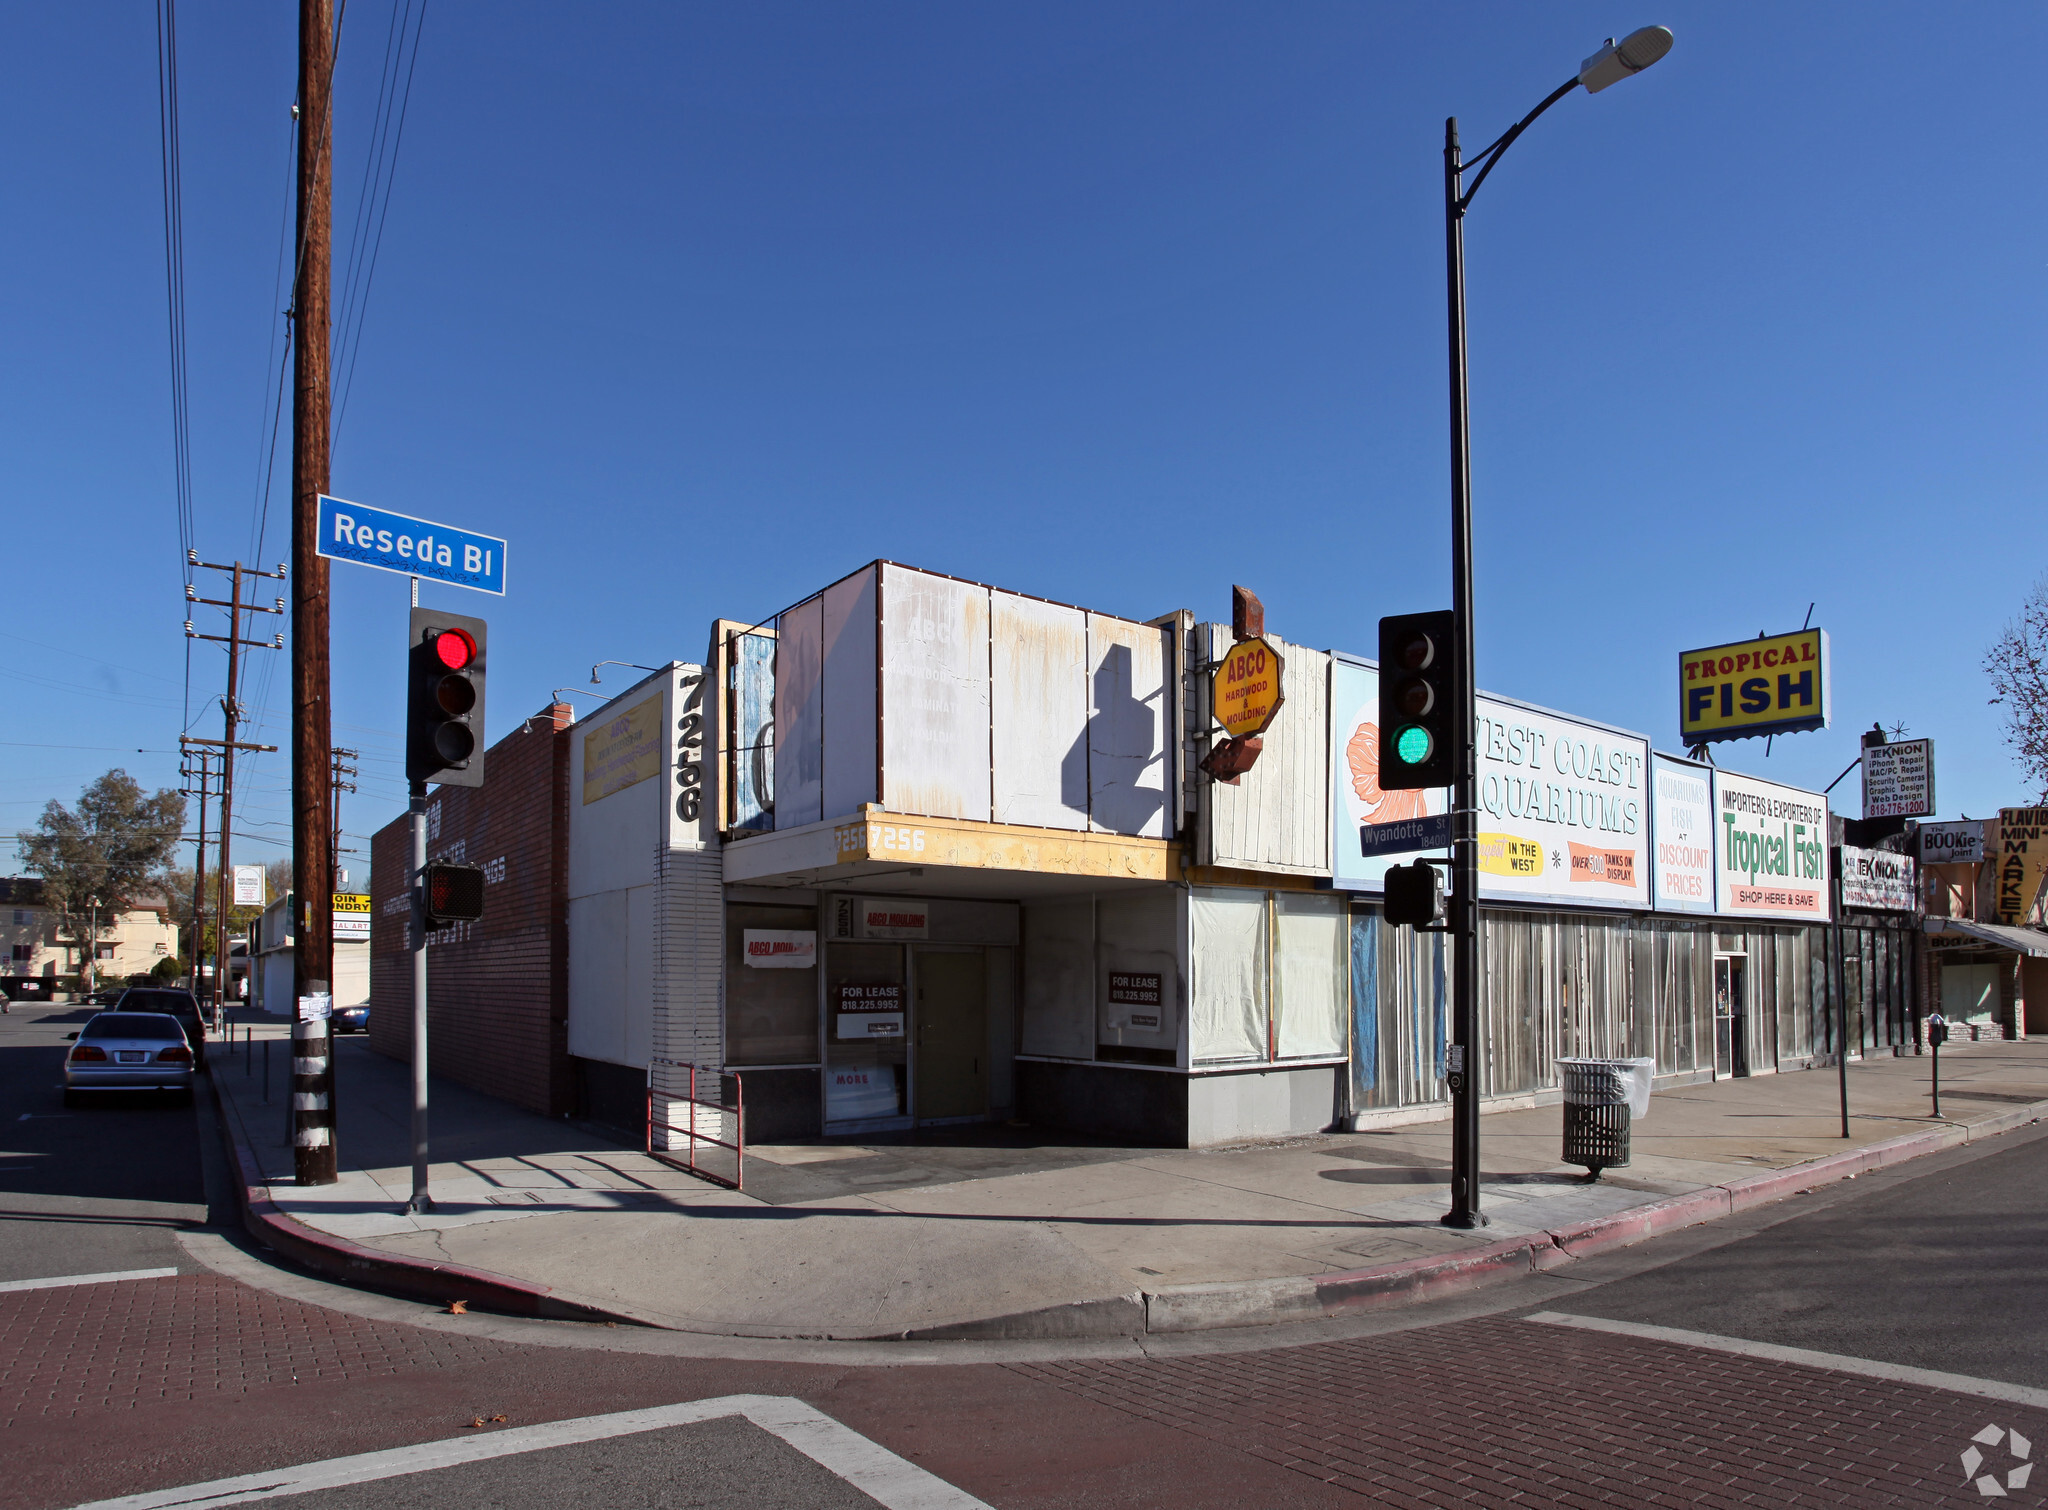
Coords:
454,648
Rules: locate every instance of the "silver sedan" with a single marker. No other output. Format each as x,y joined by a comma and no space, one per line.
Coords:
129,1051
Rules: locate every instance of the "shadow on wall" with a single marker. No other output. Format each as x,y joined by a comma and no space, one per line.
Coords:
1113,752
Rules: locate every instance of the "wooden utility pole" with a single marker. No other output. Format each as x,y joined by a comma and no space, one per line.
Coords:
313,1149
204,775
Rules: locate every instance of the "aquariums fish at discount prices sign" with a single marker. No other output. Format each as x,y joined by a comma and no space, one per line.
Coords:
1770,850
1775,684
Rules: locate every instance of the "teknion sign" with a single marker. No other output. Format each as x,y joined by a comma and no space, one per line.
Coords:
1898,779
1777,684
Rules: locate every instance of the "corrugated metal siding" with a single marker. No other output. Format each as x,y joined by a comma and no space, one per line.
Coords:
799,716
1129,769
1038,711
935,695
1278,816
849,695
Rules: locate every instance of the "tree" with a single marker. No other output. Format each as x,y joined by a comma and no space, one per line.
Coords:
93,859
2018,667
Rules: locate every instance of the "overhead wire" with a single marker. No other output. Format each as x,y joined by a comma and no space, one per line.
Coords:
373,203
171,159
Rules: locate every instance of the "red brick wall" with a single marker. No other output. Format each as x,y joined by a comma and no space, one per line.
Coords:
497,989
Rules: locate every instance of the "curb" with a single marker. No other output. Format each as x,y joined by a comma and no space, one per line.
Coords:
1321,1297
369,1268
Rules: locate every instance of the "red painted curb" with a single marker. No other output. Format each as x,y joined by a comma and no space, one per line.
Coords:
417,1279
1414,1280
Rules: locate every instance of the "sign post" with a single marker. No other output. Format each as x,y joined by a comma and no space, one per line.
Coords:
415,548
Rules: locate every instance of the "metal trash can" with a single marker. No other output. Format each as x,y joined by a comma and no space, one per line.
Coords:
1600,1098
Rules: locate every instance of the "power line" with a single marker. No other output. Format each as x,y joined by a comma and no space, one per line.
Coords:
174,292
380,174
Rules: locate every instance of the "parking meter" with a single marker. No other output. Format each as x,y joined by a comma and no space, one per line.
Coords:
1937,1035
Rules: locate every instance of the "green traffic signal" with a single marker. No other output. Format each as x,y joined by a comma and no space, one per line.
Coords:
1412,745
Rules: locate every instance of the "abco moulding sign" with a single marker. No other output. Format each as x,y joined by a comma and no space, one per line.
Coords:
1771,849
1563,803
1682,805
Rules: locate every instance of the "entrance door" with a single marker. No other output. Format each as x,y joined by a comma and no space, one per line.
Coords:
952,1035
1731,1016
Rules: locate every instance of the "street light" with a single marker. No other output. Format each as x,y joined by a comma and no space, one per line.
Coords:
1611,64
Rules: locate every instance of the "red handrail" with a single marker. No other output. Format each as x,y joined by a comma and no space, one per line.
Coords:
689,1164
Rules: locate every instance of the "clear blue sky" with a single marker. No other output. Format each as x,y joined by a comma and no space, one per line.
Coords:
701,306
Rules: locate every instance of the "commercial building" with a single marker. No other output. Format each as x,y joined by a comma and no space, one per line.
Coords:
918,850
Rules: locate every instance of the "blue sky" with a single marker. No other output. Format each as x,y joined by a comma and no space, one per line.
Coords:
701,307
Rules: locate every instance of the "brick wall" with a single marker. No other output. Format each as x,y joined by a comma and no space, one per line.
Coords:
497,989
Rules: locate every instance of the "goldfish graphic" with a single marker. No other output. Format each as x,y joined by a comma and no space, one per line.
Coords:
1362,754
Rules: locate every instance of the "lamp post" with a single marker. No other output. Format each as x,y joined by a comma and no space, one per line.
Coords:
1611,64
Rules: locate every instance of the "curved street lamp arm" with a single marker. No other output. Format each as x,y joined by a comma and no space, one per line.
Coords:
1492,154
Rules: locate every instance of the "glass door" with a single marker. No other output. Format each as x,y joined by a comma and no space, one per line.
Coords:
865,1033
1731,1016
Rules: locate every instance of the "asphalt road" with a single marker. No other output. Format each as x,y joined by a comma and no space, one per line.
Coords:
237,1367
1939,1264
101,1188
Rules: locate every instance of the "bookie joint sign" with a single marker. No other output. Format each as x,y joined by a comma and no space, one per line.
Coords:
1771,849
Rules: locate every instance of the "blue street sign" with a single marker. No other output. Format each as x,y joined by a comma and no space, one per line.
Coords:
416,547
1405,837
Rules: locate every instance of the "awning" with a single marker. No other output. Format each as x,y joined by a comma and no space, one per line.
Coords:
2028,941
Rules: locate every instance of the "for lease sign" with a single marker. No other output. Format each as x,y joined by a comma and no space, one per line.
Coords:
1777,684
1771,846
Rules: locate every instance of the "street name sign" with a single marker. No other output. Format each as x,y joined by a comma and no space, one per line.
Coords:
1898,779
412,547
1432,831
1777,684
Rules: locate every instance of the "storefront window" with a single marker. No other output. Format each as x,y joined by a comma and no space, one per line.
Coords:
866,1025
771,988
1228,967
1310,975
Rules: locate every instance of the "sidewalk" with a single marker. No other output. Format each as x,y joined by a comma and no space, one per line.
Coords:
1009,1232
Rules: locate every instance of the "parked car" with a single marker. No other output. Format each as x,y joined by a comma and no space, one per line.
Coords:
129,1051
178,1004
107,997
351,1020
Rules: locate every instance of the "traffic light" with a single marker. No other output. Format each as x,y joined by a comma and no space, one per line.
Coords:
451,893
444,721
1419,696
1415,896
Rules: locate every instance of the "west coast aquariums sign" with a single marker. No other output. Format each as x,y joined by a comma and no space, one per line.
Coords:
1771,849
1563,802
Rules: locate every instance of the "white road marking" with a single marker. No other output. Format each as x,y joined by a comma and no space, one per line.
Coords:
85,1279
1841,1363
868,1466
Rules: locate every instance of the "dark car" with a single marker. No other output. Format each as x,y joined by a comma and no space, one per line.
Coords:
129,1051
178,1004
351,1019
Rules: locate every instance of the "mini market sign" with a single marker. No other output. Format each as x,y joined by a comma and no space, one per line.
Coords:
1244,689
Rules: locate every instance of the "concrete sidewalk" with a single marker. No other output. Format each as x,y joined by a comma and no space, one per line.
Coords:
1008,1232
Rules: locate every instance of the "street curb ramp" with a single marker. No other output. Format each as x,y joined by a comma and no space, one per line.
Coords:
368,1268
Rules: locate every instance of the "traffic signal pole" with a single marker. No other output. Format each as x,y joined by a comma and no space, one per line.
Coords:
1465,1058
313,1149
422,1200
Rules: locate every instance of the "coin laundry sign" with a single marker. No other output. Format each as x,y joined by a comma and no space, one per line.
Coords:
1776,684
1245,688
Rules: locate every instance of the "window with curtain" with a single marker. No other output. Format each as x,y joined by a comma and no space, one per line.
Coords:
1227,975
1311,975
